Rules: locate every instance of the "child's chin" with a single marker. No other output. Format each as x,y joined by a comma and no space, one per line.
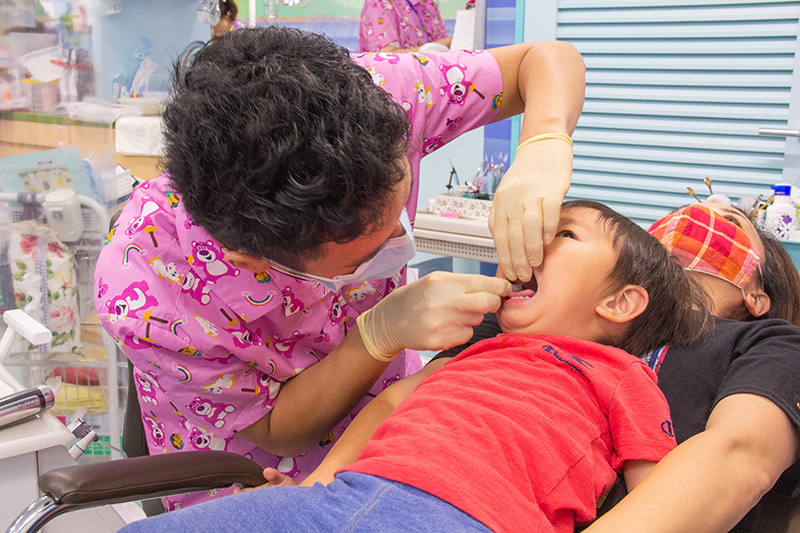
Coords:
511,324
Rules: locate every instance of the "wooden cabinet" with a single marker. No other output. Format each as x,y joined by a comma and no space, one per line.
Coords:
95,141
141,167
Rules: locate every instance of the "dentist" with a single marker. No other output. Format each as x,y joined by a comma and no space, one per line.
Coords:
237,282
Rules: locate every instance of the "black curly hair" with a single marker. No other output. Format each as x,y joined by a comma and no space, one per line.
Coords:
277,142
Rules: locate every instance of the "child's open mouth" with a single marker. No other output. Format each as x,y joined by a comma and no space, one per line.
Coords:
524,291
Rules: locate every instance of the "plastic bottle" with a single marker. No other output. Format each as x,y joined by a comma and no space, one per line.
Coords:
796,202
781,217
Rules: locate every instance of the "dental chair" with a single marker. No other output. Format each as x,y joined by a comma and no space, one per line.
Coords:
146,477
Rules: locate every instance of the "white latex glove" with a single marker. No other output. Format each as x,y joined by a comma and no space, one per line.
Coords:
433,313
527,202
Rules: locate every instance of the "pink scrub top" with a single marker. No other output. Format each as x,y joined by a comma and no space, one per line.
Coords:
212,344
400,23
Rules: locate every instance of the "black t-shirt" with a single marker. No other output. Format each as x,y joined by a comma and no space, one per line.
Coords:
761,357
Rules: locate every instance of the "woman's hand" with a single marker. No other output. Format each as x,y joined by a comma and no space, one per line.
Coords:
433,313
274,479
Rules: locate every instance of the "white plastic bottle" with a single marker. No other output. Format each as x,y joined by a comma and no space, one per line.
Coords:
781,217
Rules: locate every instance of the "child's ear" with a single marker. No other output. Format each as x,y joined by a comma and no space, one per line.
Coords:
624,305
246,261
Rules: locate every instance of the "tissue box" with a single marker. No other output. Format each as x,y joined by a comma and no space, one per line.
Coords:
466,207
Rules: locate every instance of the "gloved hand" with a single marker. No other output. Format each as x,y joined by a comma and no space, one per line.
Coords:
433,313
527,202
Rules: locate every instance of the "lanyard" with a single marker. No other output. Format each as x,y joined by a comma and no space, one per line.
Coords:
421,22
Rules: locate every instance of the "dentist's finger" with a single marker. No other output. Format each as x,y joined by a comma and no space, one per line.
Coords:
551,213
499,230
480,303
490,284
533,228
516,243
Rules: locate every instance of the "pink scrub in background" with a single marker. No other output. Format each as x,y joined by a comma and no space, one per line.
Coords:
400,23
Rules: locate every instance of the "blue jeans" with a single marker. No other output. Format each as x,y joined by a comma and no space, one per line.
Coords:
353,502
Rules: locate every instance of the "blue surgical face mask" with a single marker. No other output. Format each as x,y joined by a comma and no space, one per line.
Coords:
391,257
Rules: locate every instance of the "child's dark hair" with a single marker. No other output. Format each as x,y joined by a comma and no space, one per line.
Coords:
677,313
277,142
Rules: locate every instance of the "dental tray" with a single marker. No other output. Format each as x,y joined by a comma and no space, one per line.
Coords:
456,237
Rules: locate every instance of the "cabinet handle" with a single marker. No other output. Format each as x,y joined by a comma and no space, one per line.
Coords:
779,132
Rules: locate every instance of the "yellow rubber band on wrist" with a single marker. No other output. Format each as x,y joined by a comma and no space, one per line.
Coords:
370,344
556,135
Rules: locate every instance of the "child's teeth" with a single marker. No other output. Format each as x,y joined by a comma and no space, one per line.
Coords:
516,286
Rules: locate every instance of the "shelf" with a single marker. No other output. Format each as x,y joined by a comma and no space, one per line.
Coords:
455,237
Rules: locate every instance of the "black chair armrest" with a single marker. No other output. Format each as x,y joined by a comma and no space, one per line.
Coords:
153,476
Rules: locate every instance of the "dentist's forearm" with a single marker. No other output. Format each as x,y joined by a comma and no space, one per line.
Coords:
314,401
546,81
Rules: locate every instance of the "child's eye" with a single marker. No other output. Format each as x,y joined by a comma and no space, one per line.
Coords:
565,233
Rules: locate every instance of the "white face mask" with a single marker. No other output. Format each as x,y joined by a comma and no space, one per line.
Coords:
391,257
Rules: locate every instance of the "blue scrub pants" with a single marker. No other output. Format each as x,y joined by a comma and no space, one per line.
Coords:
353,502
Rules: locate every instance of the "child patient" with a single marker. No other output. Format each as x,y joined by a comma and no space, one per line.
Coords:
523,432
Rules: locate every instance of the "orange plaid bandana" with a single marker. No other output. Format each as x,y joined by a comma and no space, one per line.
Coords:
705,241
